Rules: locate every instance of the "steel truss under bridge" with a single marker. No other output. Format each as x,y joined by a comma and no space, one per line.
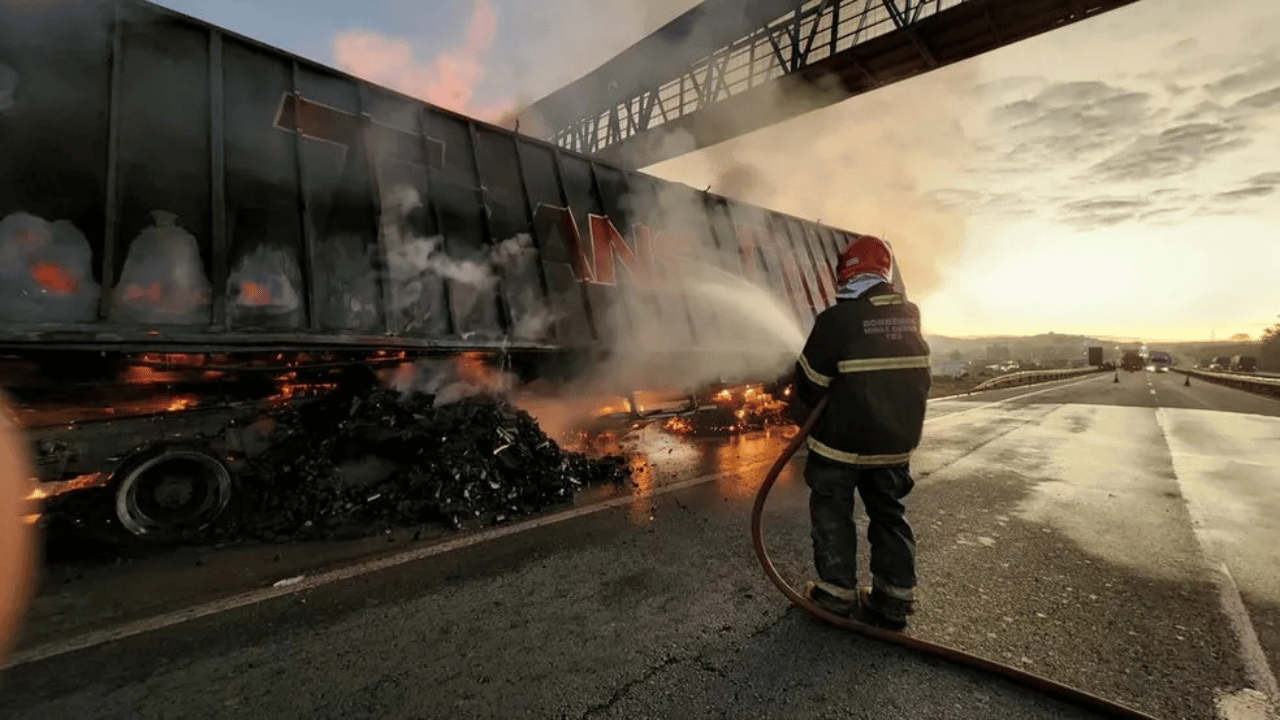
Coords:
715,71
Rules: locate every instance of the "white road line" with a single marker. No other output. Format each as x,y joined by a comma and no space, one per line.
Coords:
253,597
278,589
1257,668
1255,658
984,406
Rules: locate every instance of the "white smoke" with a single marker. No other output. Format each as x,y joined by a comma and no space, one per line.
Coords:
416,265
452,379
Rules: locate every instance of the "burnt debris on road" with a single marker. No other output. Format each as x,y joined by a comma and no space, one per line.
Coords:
355,463
365,459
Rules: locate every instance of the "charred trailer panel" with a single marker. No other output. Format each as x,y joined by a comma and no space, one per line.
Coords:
191,221
173,185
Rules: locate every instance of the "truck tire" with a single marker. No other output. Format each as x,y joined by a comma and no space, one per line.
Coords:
172,493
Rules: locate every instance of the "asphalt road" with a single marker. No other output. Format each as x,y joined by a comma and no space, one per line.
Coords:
1115,536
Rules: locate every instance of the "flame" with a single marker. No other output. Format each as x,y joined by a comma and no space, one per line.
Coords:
621,405
254,294
151,292
474,370
55,488
54,278
742,409
180,359
181,403
143,375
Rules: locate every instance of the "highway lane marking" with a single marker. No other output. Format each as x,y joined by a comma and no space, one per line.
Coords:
288,586
1256,666
985,406
1255,658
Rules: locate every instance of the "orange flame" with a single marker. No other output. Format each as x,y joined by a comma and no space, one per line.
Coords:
255,294
181,403
750,407
54,278
55,488
473,369
151,292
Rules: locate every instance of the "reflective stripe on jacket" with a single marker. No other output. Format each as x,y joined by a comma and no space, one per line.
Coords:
870,356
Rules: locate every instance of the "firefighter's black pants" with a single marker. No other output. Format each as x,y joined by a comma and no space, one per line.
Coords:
835,536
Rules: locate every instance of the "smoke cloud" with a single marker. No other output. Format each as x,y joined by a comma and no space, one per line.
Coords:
449,80
897,166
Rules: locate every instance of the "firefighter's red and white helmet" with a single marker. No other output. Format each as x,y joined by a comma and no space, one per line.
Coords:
865,254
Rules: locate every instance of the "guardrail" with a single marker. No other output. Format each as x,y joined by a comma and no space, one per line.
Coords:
1031,377
1261,384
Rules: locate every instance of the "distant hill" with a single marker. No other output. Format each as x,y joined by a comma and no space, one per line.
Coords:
1051,347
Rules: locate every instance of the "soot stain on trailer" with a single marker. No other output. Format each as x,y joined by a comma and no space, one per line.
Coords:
203,193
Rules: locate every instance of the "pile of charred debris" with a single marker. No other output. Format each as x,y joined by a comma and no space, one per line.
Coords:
364,459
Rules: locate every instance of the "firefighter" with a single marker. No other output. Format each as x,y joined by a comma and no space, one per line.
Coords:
868,354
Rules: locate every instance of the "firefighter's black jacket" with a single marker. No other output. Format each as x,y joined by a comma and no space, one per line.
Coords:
871,357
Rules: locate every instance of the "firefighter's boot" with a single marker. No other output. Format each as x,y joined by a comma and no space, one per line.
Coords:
886,606
835,600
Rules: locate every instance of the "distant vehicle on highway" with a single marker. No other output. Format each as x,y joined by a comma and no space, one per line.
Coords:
1159,361
1222,362
1244,363
1131,361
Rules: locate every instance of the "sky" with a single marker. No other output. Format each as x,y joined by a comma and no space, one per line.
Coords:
1116,177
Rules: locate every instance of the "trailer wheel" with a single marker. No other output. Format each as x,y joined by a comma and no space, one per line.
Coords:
172,494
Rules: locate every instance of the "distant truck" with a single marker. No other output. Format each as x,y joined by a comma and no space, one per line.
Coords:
1244,363
1222,362
1095,357
1131,361
1159,361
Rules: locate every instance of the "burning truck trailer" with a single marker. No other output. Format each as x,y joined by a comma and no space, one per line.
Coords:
229,274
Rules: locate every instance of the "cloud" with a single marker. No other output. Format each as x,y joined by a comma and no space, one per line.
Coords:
1173,151
1064,121
448,80
968,201
1260,101
1101,212
1246,193
1271,178
1260,75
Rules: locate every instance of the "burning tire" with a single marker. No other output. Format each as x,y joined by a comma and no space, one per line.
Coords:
172,494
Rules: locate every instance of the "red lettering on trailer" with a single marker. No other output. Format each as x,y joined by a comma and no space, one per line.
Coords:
607,243
599,268
646,255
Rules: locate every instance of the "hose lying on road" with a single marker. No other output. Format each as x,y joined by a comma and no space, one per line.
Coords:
1026,679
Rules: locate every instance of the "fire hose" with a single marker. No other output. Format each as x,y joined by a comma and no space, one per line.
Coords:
1029,680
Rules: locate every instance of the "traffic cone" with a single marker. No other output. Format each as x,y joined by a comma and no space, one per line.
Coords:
1117,377
1187,382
